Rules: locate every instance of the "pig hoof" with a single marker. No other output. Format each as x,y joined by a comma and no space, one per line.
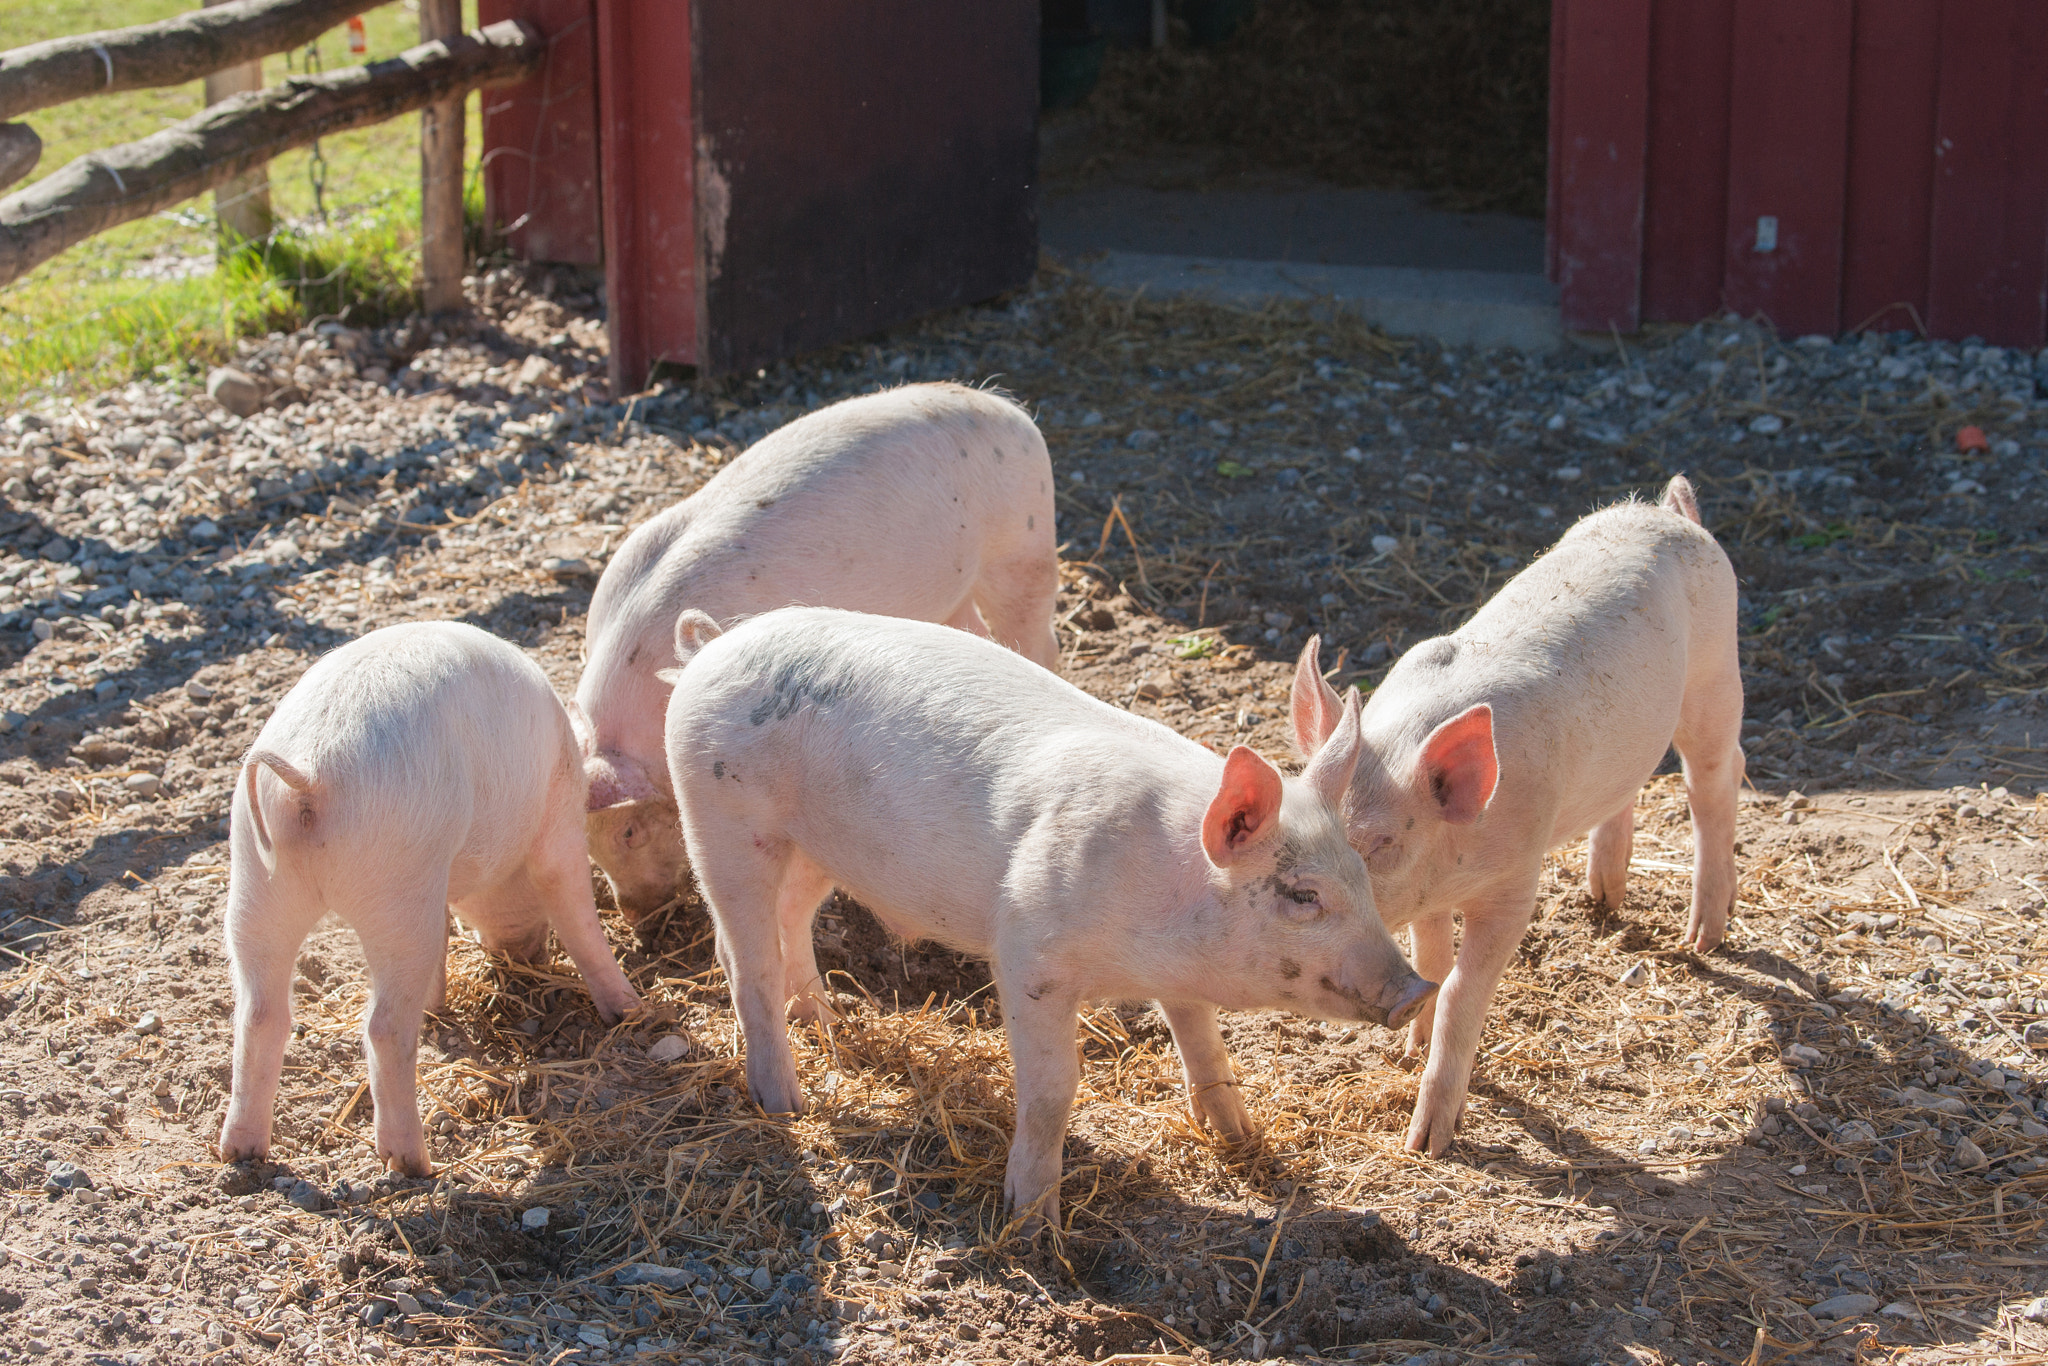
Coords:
407,1164
778,1102
1220,1106
612,1009
812,1010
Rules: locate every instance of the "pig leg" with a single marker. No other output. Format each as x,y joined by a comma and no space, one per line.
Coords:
1214,1097
405,946
804,887
1039,1018
1607,855
264,931
742,882
1434,950
1493,927
1017,596
559,872
1709,741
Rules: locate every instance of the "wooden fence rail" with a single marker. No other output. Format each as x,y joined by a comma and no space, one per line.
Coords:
167,53
103,189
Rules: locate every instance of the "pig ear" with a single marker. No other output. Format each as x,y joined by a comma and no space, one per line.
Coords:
1244,808
579,723
1330,772
1458,767
616,782
1315,703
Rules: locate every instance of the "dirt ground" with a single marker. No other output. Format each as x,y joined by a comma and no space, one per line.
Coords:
1819,1142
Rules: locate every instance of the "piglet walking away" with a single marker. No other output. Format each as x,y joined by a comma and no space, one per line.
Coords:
931,501
1534,723
419,769
965,795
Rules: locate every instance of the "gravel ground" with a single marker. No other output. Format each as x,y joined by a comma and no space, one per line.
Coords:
1230,483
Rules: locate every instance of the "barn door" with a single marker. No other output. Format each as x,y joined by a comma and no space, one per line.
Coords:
857,165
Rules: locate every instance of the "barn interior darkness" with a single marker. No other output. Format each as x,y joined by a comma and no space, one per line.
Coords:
1445,97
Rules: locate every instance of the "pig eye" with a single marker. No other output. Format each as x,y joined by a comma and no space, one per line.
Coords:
630,836
1306,903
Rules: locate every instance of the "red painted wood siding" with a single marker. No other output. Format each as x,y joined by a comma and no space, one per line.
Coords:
540,138
1788,145
1899,146
1892,83
653,305
1686,183
1602,57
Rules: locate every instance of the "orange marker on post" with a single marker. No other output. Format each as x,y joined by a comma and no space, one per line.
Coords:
358,37
1972,439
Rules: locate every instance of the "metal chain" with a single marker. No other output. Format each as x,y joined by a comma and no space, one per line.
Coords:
316,165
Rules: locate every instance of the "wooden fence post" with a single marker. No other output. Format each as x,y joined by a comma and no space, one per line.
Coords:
242,205
441,177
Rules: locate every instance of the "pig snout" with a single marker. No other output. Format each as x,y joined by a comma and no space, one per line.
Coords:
1398,1001
1403,999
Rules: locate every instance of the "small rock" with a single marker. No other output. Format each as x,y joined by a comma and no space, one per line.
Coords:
1857,1133
1843,1307
646,1273
1385,545
1968,1156
668,1048
203,530
1899,1309
234,390
761,1279
60,1176
56,548
564,571
307,1197
406,1304
1637,976
150,1023
1803,1055
2035,1312
1770,424
535,1219
1566,474
539,371
1141,439
143,784
198,691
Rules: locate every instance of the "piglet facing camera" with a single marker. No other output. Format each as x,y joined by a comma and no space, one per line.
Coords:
420,769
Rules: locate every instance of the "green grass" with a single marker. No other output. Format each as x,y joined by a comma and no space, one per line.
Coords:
147,296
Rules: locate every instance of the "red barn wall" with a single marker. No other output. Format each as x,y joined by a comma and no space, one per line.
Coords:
1828,165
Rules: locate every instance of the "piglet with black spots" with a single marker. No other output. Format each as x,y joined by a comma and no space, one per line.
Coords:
967,796
421,769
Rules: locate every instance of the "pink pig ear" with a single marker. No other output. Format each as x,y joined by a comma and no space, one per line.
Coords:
1458,766
1243,809
1330,772
616,782
1315,704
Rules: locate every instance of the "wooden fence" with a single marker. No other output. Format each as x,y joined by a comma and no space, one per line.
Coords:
119,184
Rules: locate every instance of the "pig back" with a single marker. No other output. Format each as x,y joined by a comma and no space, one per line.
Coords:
432,739
1583,657
889,504
922,768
